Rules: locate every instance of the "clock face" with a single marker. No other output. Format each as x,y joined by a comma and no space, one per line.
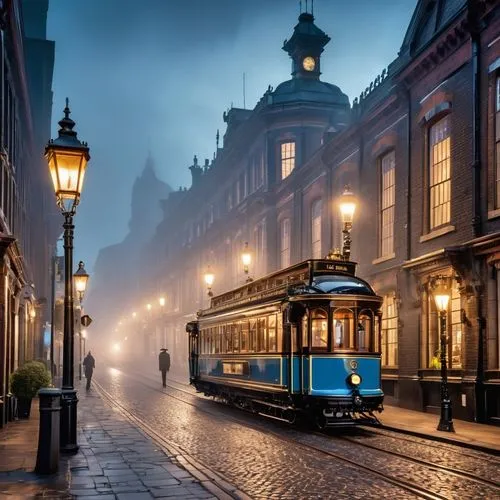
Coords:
308,63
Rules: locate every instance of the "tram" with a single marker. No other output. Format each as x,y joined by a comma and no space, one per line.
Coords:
300,342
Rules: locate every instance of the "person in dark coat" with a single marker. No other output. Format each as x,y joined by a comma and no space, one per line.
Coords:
164,362
89,364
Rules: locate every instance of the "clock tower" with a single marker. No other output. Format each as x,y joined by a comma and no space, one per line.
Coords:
305,47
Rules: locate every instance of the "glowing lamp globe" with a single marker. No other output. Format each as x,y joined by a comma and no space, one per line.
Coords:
67,158
347,205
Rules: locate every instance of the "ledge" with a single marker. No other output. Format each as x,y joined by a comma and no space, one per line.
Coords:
493,214
437,233
384,258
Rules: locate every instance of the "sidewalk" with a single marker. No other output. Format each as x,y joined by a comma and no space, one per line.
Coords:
477,436
115,461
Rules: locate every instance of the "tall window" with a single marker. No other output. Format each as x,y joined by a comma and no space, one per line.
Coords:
439,173
316,230
287,158
285,243
260,249
389,332
455,346
388,192
497,142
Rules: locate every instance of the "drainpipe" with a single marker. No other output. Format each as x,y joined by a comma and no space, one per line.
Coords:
473,22
474,29
408,188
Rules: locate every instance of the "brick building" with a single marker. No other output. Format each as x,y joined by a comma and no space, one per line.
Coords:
27,222
421,150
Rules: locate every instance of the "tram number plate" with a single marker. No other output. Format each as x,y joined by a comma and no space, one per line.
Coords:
234,368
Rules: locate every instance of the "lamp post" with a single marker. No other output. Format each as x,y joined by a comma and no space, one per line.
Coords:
81,278
442,297
246,258
209,278
67,158
347,208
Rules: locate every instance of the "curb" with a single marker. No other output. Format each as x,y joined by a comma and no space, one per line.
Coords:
457,442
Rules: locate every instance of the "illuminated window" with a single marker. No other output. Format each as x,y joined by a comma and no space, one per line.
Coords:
287,159
319,328
439,173
285,243
389,332
497,142
316,230
455,343
343,329
388,196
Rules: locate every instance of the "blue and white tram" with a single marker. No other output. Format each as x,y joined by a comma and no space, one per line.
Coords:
301,341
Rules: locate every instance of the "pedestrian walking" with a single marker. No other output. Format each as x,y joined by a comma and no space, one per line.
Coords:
164,362
89,364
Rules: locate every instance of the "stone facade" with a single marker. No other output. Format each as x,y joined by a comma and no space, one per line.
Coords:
418,150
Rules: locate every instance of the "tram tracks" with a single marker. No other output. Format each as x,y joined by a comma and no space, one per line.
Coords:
411,486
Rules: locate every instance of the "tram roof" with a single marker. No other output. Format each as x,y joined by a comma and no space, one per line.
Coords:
276,284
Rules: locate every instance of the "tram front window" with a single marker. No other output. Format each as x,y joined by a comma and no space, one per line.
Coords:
319,328
343,329
343,285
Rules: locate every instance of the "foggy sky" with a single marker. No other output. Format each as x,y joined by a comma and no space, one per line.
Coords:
158,74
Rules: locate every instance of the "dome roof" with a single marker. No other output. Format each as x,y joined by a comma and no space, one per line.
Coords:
310,90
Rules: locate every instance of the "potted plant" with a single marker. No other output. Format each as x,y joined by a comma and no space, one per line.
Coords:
25,383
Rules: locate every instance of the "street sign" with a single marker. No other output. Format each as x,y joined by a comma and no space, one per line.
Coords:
86,320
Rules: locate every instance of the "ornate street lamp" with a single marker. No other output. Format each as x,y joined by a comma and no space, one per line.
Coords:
246,258
81,278
67,158
442,297
347,208
209,278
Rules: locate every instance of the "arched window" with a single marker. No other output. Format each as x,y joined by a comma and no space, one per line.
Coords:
319,328
316,229
285,243
343,329
364,330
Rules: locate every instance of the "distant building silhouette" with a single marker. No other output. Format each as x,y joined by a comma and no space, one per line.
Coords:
118,267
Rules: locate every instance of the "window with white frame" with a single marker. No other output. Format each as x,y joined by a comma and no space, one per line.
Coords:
455,343
497,143
287,159
439,173
387,205
260,249
285,243
389,331
316,229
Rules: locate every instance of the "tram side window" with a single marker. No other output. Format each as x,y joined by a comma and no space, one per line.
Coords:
236,337
244,336
272,333
253,335
364,330
279,332
261,334
216,339
343,329
228,339
305,328
319,328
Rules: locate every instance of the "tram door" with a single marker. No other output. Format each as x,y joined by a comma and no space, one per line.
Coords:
194,350
295,349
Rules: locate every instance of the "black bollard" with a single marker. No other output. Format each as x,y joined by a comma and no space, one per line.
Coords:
47,459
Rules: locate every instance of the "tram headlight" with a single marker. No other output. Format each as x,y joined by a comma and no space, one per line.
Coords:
354,379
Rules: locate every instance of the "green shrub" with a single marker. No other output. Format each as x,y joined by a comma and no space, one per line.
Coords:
27,380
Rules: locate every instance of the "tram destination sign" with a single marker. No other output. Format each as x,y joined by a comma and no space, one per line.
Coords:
325,266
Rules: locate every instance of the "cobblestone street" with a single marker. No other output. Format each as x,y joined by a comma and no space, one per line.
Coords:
255,454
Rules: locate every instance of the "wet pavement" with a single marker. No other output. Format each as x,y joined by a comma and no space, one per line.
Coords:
138,440
116,460
266,459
